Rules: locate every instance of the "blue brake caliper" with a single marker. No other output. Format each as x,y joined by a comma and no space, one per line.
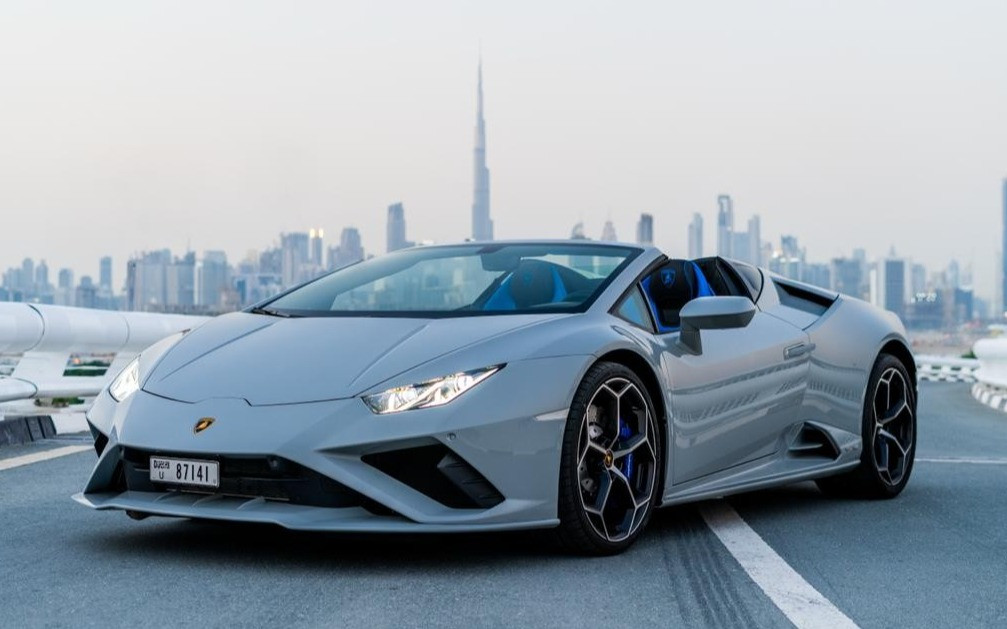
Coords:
627,461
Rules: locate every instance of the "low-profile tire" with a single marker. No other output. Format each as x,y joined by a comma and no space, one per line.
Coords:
610,468
889,436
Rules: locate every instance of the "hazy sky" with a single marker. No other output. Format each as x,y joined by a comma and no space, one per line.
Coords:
132,125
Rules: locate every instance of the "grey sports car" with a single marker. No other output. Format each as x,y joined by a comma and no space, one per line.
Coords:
510,385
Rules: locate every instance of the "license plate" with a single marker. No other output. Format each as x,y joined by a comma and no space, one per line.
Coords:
184,472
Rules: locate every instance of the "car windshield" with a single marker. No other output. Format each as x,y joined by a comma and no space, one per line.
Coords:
462,280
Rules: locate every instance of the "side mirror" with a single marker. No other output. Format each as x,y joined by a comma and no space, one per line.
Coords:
713,313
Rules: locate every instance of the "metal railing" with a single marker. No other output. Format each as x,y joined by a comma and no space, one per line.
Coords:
39,345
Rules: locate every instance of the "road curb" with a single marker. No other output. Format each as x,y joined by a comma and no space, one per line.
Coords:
993,397
26,429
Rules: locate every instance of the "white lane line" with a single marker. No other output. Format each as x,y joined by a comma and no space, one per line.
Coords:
28,459
965,461
801,603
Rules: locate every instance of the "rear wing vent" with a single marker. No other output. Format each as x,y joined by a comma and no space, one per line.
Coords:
805,298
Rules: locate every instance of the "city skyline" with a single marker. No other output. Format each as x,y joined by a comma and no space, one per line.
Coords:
314,123
927,298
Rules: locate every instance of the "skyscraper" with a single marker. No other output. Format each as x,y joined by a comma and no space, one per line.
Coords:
349,251
888,285
296,256
645,229
315,242
105,273
396,229
213,278
1003,250
755,240
725,226
608,232
696,236
482,225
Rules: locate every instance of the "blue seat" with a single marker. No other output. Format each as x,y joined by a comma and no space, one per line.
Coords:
532,283
672,286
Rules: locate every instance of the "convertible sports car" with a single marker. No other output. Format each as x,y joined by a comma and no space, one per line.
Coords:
510,385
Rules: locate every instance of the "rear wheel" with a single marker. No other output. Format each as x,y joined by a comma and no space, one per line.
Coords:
610,463
889,436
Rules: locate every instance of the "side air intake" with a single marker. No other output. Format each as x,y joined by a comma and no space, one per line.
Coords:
813,442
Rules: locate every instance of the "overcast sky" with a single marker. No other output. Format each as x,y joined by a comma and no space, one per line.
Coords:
127,126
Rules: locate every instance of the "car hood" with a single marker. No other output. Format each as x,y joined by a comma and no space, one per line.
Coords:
267,360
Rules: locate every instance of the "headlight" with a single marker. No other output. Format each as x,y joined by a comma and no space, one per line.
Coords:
127,382
427,394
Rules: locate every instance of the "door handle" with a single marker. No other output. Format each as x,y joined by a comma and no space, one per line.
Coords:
796,351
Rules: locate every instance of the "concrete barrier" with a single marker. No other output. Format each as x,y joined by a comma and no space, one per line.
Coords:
991,378
40,340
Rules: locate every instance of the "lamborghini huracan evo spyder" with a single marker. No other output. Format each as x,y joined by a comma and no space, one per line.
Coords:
510,385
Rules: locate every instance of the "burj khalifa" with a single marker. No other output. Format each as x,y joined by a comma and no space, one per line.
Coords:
482,224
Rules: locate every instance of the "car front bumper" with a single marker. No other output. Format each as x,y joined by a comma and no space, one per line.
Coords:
507,432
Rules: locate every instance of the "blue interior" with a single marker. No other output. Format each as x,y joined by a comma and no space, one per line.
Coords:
503,300
701,288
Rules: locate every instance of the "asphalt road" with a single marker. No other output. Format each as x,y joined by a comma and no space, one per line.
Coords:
937,556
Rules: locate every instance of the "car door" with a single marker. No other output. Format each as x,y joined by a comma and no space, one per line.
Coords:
731,401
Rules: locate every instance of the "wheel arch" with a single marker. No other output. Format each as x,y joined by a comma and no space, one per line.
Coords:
899,349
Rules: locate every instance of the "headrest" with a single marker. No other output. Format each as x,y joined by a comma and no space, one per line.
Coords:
532,283
674,282
670,288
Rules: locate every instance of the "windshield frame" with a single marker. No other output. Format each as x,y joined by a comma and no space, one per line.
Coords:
631,253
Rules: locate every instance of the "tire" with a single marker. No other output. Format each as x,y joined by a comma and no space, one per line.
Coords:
889,436
610,468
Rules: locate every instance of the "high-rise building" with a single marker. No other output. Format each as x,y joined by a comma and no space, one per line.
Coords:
180,283
86,293
349,251
105,273
296,256
1003,259
42,277
146,280
577,233
65,278
28,275
482,224
608,233
755,240
848,277
645,229
396,228
696,236
315,244
889,289
725,226
213,278
64,295
789,260
918,279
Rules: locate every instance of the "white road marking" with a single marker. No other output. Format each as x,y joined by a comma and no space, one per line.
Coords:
28,459
965,461
801,603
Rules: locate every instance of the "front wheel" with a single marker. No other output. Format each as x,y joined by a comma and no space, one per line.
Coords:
610,464
889,436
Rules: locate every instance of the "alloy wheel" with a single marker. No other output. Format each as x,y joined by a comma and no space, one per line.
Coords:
894,426
617,460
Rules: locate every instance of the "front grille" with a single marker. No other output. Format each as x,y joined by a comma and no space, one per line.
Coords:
269,477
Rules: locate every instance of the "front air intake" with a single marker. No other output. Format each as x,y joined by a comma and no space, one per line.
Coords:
438,473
